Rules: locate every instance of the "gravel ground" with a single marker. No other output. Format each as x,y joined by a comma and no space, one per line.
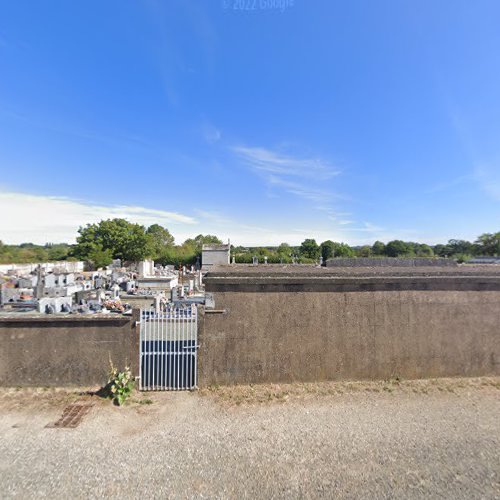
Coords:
343,441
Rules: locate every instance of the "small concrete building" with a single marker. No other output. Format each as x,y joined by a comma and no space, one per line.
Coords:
214,255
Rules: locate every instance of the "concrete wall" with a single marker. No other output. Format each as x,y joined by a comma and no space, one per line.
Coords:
389,261
341,331
62,350
62,266
278,324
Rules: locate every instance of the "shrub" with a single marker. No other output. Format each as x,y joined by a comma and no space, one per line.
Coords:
120,384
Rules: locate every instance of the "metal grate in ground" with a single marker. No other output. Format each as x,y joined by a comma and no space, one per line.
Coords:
72,415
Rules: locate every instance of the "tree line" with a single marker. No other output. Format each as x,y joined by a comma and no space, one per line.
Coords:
98,244
28,252
309,251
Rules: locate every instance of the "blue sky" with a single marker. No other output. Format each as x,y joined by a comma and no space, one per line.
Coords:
351,121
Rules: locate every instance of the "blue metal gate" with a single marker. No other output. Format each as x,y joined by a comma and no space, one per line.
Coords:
169,346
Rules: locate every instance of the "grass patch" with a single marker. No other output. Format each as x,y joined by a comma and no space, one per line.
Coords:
144,401
281,393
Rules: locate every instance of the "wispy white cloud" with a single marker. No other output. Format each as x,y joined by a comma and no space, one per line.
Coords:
311,180
369,228
488,179
271,162
242,233
304,177
341,218
211,134
213,217
449,184
307,192
42,219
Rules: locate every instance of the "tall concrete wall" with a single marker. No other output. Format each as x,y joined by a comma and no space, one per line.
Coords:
271,328
58,351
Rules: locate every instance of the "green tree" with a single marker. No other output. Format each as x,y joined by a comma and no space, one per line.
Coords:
460,247
58,252
327,249
378,248
365,251
25,254
284,253
203,239
310,249
343,250
158,239
190,250
442,250
264,252
398,248
99,258
127,241
489,244
284,249
330,249
88,241
122,239
423,250
178,255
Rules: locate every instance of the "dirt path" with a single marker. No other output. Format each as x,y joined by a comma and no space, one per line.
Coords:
438,439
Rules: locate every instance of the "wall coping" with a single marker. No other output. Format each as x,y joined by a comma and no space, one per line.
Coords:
307,270
60,318
403,279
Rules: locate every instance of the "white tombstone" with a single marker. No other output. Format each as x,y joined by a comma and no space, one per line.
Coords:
50,281
54,304
146,268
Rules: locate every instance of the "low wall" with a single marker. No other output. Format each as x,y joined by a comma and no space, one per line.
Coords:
66,266
389,262
296,325
65,350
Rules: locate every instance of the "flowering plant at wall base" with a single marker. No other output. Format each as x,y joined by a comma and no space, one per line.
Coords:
120,384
